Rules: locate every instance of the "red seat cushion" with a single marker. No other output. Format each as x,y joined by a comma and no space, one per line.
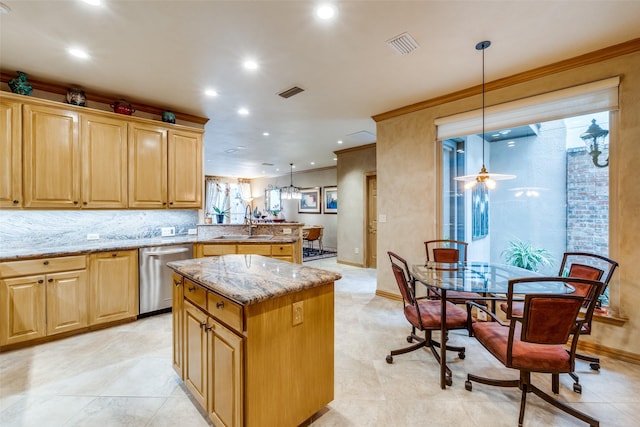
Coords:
430,311
525,356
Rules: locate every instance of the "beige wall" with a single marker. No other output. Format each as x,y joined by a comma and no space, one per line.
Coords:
353,166
407,192
324,177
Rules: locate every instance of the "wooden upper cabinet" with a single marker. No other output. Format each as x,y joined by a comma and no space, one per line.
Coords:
147,166
51,157
104,162
185,169
10,154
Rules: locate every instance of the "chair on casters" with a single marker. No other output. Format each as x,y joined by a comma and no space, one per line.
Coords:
581,265
424,315
311,236
450,252
320,245
535,341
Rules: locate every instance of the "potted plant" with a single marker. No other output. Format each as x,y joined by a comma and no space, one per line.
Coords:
524,255
220,213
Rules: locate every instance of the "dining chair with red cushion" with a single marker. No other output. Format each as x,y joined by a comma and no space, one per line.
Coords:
425,315
535,340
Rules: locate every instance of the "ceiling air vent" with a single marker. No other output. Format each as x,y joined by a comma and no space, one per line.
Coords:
290,92
403,43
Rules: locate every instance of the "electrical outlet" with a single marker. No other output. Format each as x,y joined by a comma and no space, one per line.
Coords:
286,231
192,231
382,218
356,250
298,312
93,236
168,231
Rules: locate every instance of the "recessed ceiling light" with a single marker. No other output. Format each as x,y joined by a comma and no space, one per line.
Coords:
325,11
265,133
243,111
78,53
312,163
340,142
4,8
93,2
211,92
241,147
230,150
250,64
335,158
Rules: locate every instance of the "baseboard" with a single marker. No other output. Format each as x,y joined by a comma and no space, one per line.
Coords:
353,264
614,353
388,295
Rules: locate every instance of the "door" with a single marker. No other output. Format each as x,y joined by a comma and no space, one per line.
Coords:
66,301
104,162
147,166
225,376
185,170
23,309
372,221
195,352
51,158
10,155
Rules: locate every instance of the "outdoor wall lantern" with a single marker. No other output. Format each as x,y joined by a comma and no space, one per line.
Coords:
594,140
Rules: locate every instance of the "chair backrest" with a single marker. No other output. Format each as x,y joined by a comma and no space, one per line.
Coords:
444,250
550,318
585,265
401,273
313,234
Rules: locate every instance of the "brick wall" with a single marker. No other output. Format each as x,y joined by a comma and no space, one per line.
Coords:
587,204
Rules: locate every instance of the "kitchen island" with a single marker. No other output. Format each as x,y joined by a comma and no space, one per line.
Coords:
254,338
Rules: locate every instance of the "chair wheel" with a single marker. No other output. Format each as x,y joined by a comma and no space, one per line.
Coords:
595,366
389,359
461,355
448,381
467,385
409,339
577,388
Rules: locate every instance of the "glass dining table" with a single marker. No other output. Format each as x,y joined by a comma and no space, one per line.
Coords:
483,281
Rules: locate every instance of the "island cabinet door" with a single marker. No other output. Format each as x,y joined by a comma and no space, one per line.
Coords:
225,376
195,352
177,309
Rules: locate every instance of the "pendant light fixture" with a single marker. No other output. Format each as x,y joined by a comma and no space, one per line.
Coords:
483,177
290,192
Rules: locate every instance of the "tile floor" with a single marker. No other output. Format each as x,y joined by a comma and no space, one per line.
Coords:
122,376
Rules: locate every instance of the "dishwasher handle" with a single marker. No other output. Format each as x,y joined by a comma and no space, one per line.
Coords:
167,252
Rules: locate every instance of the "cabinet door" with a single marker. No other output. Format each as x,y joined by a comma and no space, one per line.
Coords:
177,305
10,155
185,169
225,376
51,157
147,166
113,291
66,301
104,162
195,352
23,309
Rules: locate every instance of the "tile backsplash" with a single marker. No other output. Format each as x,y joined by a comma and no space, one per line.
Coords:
28,228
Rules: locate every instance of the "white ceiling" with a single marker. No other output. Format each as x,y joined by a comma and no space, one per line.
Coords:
167,53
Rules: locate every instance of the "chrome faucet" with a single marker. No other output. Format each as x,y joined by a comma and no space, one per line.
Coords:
248,218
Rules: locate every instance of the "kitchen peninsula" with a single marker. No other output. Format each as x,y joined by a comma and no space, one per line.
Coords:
254,338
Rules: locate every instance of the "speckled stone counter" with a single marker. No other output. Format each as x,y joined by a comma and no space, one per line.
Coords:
249,279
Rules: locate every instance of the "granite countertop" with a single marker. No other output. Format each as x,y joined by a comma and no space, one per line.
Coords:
250,279
12,254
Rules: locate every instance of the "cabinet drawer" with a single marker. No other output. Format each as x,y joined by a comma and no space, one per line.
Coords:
281,250
212,250
255,249
225,310
195,294
42,266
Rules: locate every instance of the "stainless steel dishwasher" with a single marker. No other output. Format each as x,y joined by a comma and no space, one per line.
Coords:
155,286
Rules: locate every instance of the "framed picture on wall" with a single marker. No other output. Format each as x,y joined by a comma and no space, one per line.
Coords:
310,201
330,200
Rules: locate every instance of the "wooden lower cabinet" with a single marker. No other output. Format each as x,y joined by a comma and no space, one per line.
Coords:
114,286
39,298
282,251
253,365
